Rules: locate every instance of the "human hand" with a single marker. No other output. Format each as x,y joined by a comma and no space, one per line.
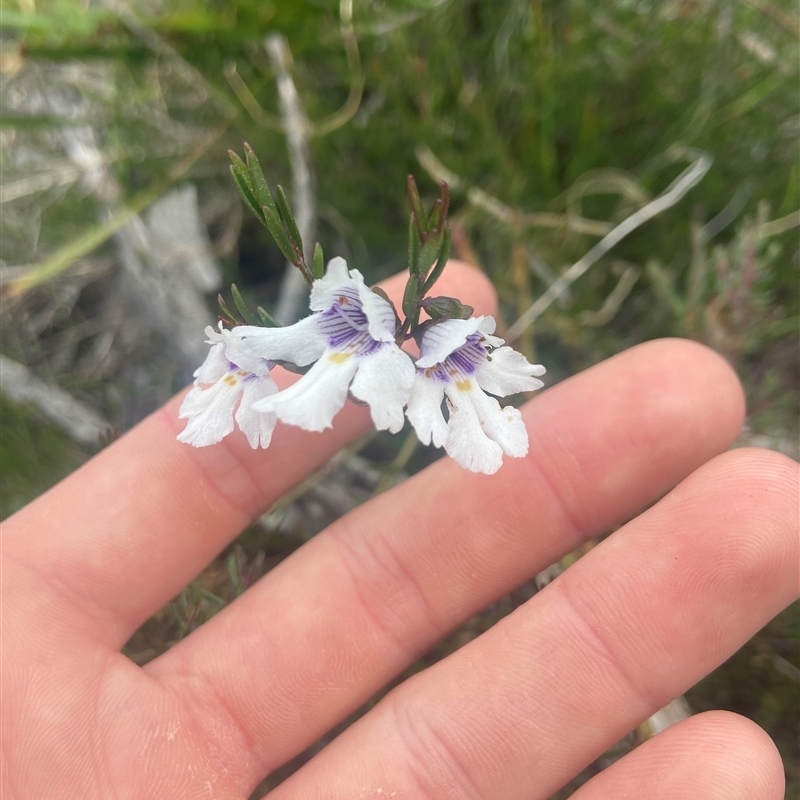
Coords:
515,713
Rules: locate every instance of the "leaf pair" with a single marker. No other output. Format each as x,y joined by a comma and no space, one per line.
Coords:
428,236
428,251
428,248
274,213
245,316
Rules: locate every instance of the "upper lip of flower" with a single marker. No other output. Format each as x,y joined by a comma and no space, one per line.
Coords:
444,338
341,287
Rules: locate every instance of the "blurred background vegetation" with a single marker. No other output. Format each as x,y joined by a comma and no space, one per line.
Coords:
552,121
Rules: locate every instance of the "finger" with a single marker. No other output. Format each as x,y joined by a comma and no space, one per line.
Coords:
133,526
522,709
332,624
712,756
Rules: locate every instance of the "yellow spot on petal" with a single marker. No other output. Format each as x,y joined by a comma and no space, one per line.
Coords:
230,380
463,385
338,358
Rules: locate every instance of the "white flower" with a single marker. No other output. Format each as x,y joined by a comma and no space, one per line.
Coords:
461,360
351,337
235,376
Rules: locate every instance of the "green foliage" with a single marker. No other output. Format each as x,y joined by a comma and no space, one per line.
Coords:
318,262
428,250
524,100
33,457
275,215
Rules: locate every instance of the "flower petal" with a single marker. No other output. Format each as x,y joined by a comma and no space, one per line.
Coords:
210,413
467,444
214,336
256,425
487,326
383,381
214,367
301,343
503,425
506,371
325,290
379,311
444,338
481,431
317,397
424,410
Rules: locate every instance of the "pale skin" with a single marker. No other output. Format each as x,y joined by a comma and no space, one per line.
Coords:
514,714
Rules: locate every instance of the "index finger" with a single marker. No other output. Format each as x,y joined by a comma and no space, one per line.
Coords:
126,532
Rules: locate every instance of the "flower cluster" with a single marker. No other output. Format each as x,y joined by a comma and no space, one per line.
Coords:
350,344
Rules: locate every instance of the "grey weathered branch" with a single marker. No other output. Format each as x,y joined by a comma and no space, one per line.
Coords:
499,210
294,293
777,226
81,423
165,254
677,189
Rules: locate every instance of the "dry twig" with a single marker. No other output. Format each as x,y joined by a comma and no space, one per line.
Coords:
293,294
677,189
499,210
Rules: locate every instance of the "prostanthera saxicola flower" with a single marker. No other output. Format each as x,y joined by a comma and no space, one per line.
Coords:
462,362
226,386
350,339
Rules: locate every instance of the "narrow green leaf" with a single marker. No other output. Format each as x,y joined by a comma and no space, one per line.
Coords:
318,262
245,190
411,296
274,226
238,164
444,191
241,173
258,181
288,218
247,315
267,320
429,253
434,215
417,208
441,261
413,247
226,312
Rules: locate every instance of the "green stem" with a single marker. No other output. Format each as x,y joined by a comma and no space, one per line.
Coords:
402,334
